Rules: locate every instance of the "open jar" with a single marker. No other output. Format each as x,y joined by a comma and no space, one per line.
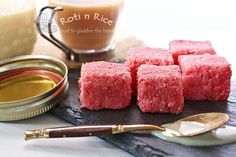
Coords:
31,85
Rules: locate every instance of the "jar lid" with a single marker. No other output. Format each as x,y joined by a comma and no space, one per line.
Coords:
31,85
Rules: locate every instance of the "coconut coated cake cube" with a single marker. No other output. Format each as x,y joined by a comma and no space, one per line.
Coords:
159,89
145,55
105,85
186,47
205,77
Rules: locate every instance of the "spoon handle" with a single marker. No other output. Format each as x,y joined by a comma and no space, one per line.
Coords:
86,130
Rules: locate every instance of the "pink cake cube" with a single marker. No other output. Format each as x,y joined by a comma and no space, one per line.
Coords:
205,77
186,47
145,55
105,85
160,89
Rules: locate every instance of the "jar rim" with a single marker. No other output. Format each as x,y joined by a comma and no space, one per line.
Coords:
11,66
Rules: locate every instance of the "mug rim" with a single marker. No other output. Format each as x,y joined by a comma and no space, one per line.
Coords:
84,4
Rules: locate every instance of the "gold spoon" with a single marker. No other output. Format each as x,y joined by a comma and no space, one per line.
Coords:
189,126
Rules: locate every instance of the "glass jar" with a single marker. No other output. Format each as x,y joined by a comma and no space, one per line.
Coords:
17,27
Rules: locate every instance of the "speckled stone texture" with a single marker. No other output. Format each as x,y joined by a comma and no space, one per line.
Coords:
186,47
105,85
205,77
145,55
160,89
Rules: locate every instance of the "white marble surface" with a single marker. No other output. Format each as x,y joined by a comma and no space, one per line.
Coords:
156,22
12,141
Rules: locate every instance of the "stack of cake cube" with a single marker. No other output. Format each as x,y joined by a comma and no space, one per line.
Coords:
150,74
145,55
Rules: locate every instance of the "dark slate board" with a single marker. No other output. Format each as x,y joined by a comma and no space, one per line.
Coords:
140,143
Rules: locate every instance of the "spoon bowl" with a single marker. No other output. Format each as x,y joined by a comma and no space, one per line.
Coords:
196,124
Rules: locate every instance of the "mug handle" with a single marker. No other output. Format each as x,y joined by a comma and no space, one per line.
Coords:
70,54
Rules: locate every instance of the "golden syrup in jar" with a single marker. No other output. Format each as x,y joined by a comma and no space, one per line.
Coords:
23,87
31,85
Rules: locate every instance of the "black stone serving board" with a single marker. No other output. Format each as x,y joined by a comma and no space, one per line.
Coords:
143,144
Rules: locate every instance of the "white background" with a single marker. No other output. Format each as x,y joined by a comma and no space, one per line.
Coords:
159,21
156,22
